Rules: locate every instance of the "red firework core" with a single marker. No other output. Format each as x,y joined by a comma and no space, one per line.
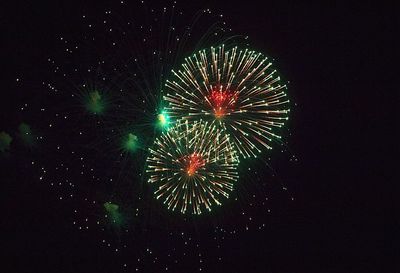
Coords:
192,163
222,101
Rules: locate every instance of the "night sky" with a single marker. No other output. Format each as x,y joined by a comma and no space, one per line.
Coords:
327,210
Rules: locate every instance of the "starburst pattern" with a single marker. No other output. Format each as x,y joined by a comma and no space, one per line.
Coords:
194,166
238,90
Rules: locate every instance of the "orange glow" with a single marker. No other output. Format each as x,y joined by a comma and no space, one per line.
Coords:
194,162
219,113
222,101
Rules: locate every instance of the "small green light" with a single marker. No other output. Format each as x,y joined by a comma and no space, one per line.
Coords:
115,216
25,134
110,207
95,103
5,141
130,143
163,120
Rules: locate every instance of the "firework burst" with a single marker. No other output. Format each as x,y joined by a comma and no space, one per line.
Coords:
237,90
194,166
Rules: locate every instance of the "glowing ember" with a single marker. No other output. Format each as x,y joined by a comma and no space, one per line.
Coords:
193,162
222,101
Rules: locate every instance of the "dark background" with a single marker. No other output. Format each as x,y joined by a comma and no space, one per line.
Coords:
337,57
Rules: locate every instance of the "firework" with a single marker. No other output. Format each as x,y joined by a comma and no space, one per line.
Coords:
130,143
5,141
94,102
238,90
25,134
194,166
113,213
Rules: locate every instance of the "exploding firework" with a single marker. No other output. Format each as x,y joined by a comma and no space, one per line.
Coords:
102,110
194,166
238,90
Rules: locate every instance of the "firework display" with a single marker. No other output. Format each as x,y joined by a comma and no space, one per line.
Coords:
193,165
138,148
237,89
